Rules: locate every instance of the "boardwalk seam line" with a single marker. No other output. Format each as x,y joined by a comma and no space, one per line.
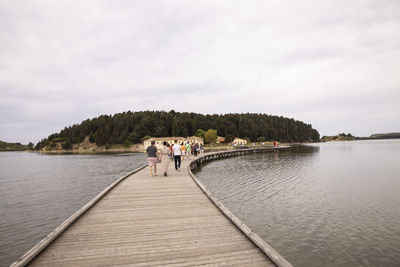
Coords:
47,240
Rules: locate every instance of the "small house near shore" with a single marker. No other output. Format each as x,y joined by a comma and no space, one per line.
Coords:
220,140
239,141
159,141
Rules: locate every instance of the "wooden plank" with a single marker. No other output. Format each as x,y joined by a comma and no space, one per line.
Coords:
264,246
146,221
33,252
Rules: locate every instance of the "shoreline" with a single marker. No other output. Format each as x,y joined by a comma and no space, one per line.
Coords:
138,149
87,152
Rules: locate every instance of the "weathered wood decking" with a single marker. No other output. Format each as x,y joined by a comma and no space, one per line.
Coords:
153,221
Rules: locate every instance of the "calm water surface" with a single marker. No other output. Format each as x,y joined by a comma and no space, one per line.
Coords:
38,192
329,204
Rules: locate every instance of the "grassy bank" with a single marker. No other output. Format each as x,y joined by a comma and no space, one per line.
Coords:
4,146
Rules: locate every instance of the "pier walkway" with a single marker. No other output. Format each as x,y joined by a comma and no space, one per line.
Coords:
153,221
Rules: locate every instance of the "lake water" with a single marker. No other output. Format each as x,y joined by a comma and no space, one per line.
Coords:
328,204
38,192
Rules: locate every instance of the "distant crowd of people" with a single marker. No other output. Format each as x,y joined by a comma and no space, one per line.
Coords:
177,152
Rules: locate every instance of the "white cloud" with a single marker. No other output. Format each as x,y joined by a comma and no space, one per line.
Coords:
323,62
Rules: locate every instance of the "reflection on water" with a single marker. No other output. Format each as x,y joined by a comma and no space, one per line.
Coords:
38,192
331,204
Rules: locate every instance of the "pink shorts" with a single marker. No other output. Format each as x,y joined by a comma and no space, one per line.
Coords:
152,161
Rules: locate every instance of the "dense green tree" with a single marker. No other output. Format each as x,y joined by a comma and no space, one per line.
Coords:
134,138
30,146
229,137
210,137
200,133
131,127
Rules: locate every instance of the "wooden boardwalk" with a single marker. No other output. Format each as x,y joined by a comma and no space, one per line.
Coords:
153,221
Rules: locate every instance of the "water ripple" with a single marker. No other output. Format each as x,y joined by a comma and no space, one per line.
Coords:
38,192
324,205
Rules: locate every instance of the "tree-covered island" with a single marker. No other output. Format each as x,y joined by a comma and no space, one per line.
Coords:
350,137
129,128
339,137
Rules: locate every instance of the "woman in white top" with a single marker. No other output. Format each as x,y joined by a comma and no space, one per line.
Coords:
176,150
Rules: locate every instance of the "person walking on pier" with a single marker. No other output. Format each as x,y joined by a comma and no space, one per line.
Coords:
171,152
196,149
152,157
183,150
188,148
176,150
165,153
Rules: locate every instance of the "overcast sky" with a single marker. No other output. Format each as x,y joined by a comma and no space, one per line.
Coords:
334,64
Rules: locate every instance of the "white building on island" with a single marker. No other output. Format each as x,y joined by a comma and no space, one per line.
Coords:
239,141
159,141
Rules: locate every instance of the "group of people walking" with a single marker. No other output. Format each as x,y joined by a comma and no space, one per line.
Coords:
176,152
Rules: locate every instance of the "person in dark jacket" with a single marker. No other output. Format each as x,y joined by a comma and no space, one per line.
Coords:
152,157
